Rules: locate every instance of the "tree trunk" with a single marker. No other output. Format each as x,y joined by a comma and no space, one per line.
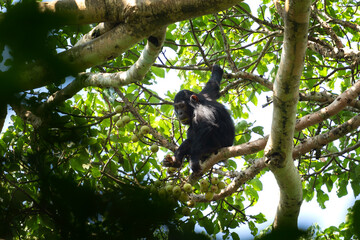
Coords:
286,93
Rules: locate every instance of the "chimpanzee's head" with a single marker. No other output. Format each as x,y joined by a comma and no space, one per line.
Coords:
184,104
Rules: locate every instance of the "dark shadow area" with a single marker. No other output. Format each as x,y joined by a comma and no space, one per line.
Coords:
31,49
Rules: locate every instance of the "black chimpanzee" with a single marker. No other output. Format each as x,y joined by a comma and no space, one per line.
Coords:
210,124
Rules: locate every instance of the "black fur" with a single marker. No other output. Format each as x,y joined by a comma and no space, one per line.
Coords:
210,124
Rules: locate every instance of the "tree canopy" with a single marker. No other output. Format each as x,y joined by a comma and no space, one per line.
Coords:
82,155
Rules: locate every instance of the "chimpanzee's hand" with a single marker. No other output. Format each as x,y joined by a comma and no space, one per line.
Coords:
170,161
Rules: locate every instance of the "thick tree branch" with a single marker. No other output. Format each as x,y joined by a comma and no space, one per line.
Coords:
348,54
26,114
323,139
353,26
152,12
117,41
286,93
321,97
99,50
343,100
96,32
234,151
62,95
83,12
136,73
137,20
228,152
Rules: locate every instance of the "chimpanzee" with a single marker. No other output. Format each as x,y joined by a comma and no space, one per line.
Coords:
210,124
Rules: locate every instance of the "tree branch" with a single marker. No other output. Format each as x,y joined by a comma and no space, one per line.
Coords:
226,44
26,114
279,148
343,100
124,11
247,76
240,178
137,20
353,26
259,164
162,140
327,28
136,73
97,31
323,139
279,8
348,54
346,98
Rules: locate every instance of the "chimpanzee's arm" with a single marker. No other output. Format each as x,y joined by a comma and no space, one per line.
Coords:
195,163
212,87
180,154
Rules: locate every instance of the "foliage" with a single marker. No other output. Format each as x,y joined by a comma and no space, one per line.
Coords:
83,174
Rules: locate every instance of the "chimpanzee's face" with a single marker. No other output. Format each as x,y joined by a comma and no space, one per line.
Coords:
183,109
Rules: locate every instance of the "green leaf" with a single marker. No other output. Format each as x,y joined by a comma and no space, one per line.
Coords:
155,164
357,171
241,126
92,141
235,236
355,184
262,69
76,163
259,130
253,228
245,6
321,198
252,194
260,218
329,182
159,72
208,225
166,108
256,184
126,166
232,163
308,195
3,147
342,191
95,172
